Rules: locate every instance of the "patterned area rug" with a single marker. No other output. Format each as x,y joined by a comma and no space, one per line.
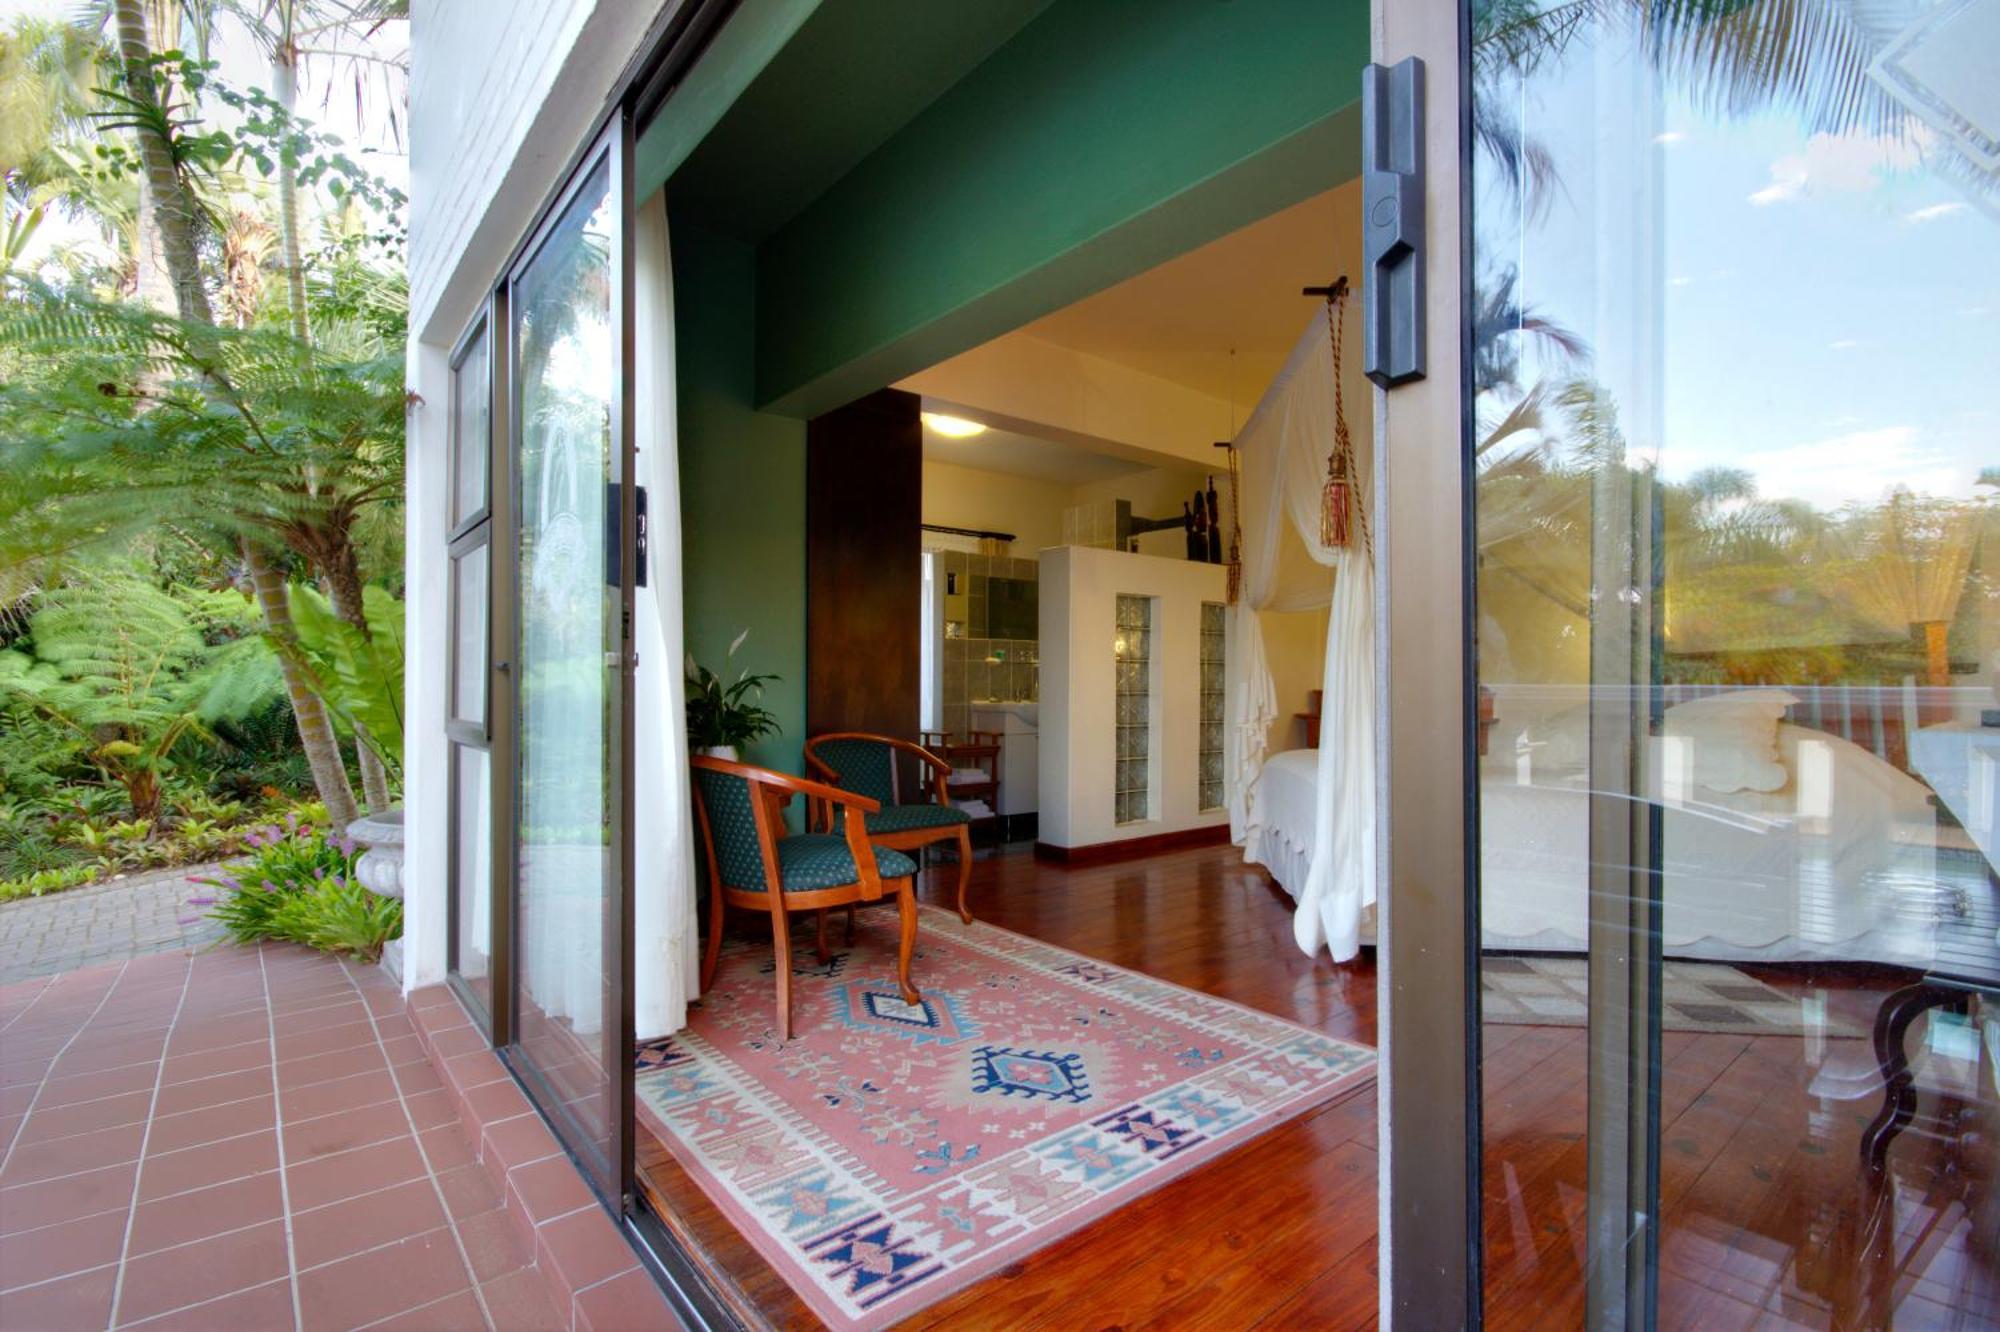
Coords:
1695,996
891,1154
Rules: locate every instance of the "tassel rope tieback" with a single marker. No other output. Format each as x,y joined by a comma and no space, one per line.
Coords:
1341,511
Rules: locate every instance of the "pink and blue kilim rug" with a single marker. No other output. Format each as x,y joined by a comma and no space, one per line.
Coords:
889,1155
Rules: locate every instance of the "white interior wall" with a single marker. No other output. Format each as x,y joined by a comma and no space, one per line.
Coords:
996,502
1079,591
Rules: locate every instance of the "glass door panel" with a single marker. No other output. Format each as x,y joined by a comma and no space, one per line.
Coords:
568,673
1735,333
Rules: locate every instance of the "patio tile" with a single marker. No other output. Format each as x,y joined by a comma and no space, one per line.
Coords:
381,1282
211,1163
332,1178
195,1128
469,1190
445,1147
265,1306
209,1063
453,1313
329,1135
193,1273
516,1142
187,1217
324,1040
69,1156
492,1241
74,1302
528,1304
497,1101
47,1125
548,1189
65,1199
621,1304
342,1229
57,1250
583,1249
338,1095
298,1073
216,1090
432,1109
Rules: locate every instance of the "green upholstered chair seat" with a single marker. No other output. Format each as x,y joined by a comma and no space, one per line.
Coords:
817,860
908,818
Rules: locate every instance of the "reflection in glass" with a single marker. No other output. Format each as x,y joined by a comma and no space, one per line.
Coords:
472,775
468,648
471,409
568,626
1737,327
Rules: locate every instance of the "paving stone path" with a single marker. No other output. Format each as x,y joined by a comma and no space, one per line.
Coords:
152,912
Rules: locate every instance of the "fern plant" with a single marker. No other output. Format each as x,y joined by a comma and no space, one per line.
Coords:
127,669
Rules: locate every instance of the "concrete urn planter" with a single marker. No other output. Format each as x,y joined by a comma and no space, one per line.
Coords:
380,869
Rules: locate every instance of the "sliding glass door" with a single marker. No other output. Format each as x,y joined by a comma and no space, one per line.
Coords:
569,308
1734,336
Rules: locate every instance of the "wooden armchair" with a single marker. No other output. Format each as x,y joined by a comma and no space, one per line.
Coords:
753,863
865,765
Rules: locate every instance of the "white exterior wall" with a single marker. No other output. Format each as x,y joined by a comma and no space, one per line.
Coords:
502,93
1080,587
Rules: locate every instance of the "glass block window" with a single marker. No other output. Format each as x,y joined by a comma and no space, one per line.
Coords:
1133,646
1212,661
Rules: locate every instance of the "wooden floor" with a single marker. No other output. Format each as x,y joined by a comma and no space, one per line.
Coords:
1767,1222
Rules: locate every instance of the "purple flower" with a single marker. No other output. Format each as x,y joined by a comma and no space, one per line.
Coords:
346,845
201,901
270,887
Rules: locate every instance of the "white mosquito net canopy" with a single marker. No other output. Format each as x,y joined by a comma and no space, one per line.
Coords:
1282,459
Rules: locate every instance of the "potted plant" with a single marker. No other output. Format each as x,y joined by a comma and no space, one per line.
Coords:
722,718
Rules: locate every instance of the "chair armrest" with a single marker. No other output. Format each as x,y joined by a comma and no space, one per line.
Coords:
784,781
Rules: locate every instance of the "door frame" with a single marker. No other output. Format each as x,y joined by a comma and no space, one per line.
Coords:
1427,913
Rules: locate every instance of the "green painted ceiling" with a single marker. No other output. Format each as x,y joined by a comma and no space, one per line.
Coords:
856,72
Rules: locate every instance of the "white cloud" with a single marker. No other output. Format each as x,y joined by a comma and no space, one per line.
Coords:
1933,213
1838,163
1842,344
1670,136
1860,466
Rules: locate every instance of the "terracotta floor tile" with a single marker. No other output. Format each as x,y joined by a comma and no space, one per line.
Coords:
515,1142
265,1306
65,1121
332,1178
445,1146
583,1249
193,1128
474,1069
469,1190
325,1068
497,1101
69,1156
453,1313
623,1304
341,1229
66,1199
209,1063
332,1134
381,1283
211,1163
527,1304
414,1079
432,1109
548,1189
493,1243
339,1095
75,1302
458,1041
56,1250
218,1033
217,1090
193,1273
204,1212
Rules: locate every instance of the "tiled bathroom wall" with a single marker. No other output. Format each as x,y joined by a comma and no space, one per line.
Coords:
990,649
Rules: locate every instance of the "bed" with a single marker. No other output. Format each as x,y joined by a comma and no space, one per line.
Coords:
1835,861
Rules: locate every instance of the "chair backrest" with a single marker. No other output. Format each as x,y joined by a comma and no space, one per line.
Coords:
865,767
728,805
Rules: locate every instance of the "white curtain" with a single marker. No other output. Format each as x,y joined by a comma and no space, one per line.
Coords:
665,945
1282,455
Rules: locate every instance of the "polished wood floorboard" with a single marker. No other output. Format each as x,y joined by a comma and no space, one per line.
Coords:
1766,1220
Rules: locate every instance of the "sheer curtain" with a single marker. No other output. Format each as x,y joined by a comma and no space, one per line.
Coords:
665,945
1282,451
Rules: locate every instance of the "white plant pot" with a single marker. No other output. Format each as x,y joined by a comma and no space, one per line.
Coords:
722,752
380,868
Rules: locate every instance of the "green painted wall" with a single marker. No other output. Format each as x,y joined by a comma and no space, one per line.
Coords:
1101,140
743,491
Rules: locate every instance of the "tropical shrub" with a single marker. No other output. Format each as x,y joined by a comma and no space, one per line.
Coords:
721,714
298,885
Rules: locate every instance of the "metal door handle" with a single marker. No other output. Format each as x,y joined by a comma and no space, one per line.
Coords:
1392,231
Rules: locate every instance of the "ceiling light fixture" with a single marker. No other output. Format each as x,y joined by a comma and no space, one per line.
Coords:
953,427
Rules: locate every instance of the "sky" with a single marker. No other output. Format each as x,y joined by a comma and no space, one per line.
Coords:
1821,310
